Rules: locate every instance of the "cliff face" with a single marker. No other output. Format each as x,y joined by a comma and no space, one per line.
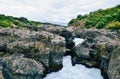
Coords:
100,49
28,54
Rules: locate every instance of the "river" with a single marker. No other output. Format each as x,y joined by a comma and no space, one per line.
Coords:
75,72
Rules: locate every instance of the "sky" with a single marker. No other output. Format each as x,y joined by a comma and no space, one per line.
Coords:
54,11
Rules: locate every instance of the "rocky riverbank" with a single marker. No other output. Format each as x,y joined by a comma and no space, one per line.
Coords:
32,53
29,54
100,49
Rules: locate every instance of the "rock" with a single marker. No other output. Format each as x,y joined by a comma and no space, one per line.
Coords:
97,51
53,29
82,52
1,75
114,65
18,67
2,47
84,55
69,36
41,46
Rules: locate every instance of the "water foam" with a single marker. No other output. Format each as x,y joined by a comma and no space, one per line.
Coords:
78,41
74,72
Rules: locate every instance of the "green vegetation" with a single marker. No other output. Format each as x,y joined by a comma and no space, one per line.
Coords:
114,25
108,19
9,21
72,21
79,17
5,23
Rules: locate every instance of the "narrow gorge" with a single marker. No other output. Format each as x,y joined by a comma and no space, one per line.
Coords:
88,47
55,52
75,72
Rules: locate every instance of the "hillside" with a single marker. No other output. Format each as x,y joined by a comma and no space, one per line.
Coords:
10,21
108,18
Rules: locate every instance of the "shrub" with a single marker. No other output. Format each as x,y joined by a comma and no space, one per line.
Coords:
100,18
79,17
100,25
72,21
114,25
87,23
118,16
5,23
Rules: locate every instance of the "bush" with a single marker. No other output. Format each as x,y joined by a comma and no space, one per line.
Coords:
72,21
101,18
118,16
114,25
79,17
2,17
9,21
5,23
87,23
100,25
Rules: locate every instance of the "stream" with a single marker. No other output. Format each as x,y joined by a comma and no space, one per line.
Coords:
77,71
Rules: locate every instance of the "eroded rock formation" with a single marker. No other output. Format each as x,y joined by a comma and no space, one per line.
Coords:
100,49
37,52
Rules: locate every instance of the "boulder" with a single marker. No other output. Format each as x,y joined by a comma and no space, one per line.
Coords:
19,67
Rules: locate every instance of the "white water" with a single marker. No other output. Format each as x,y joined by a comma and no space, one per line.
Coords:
75,72
78,41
